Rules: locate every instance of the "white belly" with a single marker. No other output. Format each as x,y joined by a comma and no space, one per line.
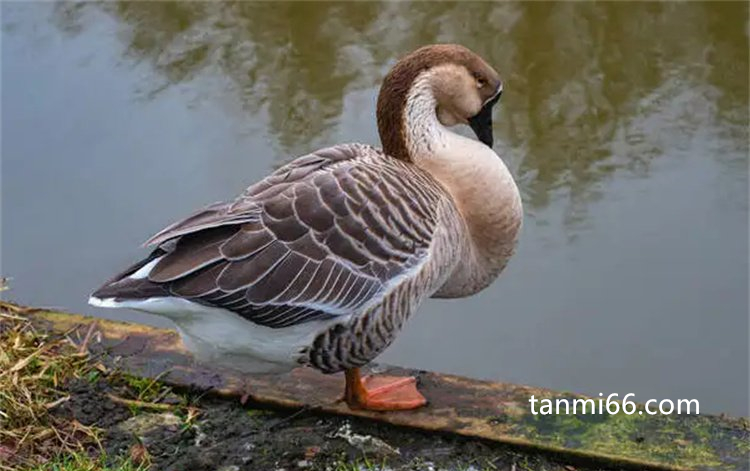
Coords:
219,337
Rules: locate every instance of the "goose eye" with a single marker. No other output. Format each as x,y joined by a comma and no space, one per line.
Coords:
481,82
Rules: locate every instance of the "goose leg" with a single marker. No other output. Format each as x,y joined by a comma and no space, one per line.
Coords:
383,393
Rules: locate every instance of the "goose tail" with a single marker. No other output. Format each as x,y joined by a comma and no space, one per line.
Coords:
131,287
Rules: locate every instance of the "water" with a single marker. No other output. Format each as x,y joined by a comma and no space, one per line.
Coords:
624,124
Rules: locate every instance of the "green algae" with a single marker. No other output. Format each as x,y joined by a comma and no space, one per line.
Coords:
680,441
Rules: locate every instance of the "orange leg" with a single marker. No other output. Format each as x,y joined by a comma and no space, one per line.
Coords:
385,393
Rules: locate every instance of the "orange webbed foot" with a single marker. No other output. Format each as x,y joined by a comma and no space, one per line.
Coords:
382,393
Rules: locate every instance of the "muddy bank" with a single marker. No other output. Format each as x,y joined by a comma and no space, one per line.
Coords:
183,431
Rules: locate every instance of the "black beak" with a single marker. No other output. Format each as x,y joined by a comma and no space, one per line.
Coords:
481,123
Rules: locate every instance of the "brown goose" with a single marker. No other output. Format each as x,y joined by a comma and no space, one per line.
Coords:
322,262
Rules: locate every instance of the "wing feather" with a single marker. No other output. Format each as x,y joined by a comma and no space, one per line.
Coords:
321,237
245,243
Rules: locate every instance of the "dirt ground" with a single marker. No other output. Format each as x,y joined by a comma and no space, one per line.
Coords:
185,432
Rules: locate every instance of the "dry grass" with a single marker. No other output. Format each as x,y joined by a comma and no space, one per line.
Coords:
33,367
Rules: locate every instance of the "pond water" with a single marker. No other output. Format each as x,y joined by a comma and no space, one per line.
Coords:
624,124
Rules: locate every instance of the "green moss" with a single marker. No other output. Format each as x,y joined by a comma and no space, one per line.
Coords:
629,435
676,440
742,445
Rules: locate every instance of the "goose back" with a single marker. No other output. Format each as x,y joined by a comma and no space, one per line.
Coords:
322,237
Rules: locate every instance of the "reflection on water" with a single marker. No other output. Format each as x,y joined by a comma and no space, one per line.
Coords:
579,75
625,125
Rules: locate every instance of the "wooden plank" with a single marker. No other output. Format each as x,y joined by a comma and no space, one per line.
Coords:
480,409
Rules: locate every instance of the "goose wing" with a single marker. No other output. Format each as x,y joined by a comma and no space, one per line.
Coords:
321,237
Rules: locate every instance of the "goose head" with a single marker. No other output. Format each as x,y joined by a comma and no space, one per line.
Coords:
443,83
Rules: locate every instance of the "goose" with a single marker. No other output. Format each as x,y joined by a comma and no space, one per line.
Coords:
321,263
